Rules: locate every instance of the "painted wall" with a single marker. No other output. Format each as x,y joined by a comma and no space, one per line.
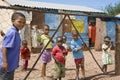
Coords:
53,21
83,35
5,17
110,29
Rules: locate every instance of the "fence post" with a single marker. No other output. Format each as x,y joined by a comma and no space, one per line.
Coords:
117,50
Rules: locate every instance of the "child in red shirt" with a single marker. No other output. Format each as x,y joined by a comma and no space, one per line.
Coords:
25,54
59,53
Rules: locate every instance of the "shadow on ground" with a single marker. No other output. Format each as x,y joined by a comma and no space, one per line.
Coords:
99,76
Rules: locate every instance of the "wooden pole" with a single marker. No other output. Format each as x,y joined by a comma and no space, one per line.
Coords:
117,50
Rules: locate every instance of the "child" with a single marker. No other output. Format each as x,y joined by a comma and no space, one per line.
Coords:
25,54
64,43
106,56
11,47
46,56
59,53
77,46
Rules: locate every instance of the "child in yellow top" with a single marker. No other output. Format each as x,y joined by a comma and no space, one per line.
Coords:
46,55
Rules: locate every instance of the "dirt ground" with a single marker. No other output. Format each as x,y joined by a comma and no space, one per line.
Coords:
91,69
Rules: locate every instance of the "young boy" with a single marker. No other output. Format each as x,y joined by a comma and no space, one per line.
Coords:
25,54
11,47
77,46
59,53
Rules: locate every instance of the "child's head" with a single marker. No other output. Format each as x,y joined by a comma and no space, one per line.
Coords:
107,40
24,43
64,39
46,29
59,41
18,20
75,35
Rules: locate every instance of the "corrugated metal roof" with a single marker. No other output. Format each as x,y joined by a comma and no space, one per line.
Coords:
36,4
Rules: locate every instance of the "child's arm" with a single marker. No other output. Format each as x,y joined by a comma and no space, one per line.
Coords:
105,49
65,52
80,48
4,59
39,39
54,53
50,38
73,47
54,58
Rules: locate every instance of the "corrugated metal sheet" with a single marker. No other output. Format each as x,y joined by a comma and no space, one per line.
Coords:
36,4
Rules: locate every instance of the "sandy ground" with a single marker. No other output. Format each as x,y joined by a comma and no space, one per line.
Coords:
91,69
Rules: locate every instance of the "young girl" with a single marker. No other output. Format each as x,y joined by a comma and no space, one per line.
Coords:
46,56
25,55
77,50
59,53
106,56
11,47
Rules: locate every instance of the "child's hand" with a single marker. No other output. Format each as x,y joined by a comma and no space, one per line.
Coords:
80,48
64,52
5,66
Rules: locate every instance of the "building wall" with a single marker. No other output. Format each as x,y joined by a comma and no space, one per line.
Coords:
5,17
83,35
111,30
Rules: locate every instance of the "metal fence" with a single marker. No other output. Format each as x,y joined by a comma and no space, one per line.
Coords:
90,66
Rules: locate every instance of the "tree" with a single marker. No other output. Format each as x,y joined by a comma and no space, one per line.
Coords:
112,10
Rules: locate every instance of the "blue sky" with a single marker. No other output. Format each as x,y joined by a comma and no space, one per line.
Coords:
97,4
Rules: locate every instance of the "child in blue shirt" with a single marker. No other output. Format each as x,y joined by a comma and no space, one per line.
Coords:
77,50
11,47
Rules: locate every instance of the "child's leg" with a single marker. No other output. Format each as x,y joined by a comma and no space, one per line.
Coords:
82,68
43,72
23,64
77,71
26,64
105,68
59,78
45,58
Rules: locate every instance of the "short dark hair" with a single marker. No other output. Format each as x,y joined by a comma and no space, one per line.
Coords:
107,37
16,15
47,25
74,32
24,42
